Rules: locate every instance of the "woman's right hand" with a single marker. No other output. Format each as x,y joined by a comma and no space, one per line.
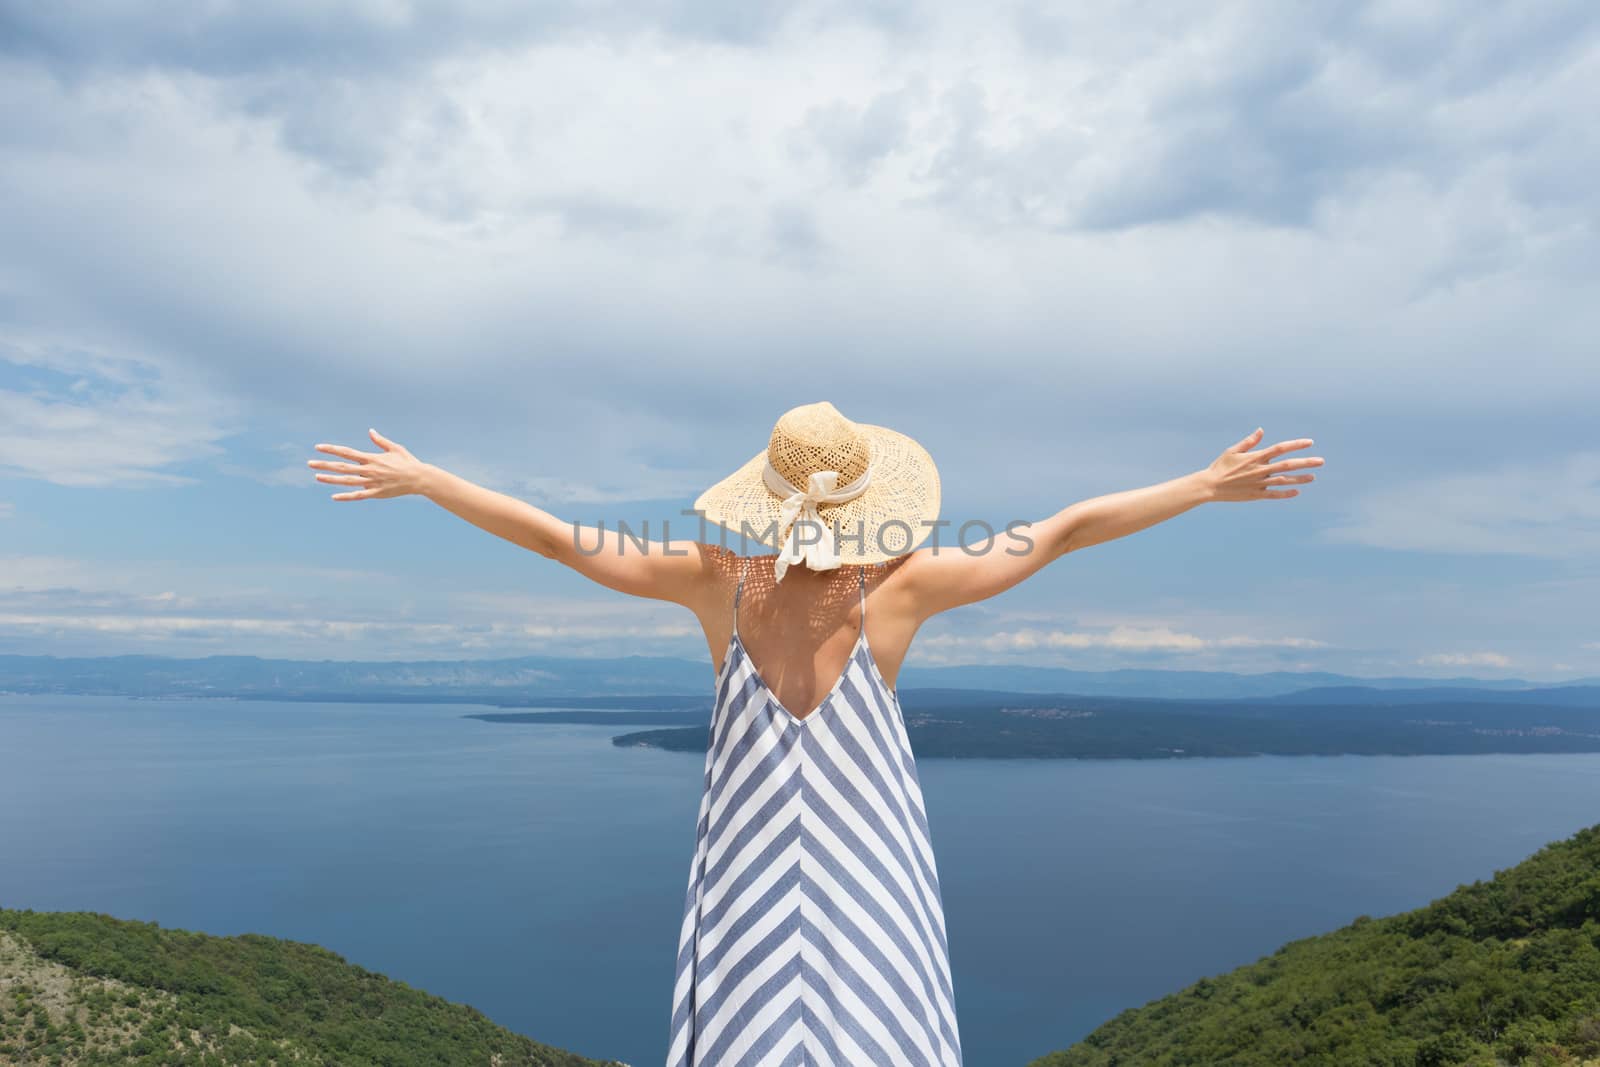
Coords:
392,472
1239,474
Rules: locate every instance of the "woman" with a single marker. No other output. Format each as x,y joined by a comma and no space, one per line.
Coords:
813,928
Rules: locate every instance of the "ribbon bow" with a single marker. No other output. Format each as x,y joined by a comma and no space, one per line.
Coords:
821,554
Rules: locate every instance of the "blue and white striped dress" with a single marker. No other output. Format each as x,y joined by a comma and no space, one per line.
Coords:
813,928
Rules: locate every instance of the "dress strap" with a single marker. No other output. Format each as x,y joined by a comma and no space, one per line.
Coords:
863,573
744,565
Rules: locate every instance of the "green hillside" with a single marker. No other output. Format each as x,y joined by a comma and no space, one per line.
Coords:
1504,971
83,988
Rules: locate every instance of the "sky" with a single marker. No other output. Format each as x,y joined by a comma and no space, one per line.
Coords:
587,253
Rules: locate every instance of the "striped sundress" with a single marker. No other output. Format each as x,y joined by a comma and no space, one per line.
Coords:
813,928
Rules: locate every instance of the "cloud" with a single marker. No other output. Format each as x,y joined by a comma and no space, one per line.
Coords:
1471,659
7,509
231,38
1119,638
172,631
39,582
1548,509
794,235
585,213
1257,111
855,139
56,603
24,573
87,419
342,82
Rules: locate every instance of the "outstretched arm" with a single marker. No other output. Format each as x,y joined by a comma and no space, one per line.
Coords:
662,570
936,579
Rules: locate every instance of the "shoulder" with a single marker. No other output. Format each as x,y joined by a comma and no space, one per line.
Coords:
885,580
721,570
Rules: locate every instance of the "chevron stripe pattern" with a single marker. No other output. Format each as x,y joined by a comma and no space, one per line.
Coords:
813,929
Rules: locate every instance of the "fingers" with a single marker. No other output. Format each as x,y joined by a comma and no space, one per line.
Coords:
1292,464
1284,446
348,453
1246,442
357,473
1289,479
1283,495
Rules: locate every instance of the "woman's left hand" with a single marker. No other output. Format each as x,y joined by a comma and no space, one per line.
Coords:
392,472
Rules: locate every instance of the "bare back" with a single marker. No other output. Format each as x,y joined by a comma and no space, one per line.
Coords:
799,633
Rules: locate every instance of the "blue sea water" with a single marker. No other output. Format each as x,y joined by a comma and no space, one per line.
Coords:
537,872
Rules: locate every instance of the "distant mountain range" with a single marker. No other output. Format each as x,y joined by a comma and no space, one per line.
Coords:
953,712
524,679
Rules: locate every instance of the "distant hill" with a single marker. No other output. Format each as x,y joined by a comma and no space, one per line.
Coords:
953,723
252,677
1504,971
81,987
1178,684
1571,696
514,681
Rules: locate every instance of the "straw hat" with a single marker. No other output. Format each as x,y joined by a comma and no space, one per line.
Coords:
827,491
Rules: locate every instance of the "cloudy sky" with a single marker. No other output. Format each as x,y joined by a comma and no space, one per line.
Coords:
586,253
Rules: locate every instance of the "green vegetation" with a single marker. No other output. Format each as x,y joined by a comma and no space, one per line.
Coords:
1505,971
87,989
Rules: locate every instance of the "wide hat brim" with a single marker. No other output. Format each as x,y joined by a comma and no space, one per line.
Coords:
890,517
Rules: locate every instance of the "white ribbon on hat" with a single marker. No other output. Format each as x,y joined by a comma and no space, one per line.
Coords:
821,554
